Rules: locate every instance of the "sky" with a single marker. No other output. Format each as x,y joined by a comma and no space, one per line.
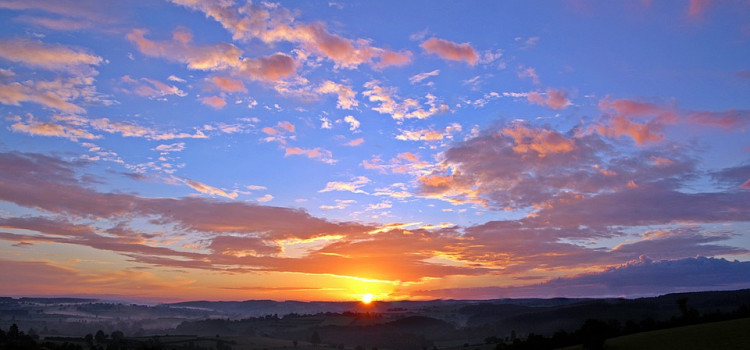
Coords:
324,150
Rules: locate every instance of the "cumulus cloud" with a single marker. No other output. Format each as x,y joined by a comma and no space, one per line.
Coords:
555,99
353,123
214,101
228,84
217,57
400,108
239,234
272,24
352,186
450,50
346,96
646,122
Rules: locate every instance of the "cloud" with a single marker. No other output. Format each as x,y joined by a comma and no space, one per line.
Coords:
429,134
353,186
422,76
151,88
555,99
35,54
346,96
318,153
217,57
645,122
214,101
398,108
450,50
391,58
697,8
355,142
529,72
638,278
174,147
58,94
543,167
264,198
340,204
228,85
272,24
238,236
353,123
206,189
36,128
420,135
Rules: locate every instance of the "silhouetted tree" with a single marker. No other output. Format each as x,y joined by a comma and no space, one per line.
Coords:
100,336
593,334
315,338
13,331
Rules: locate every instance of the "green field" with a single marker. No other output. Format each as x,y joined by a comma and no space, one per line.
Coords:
734,334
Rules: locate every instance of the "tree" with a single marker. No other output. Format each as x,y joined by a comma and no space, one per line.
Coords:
315,338
13,331
100,336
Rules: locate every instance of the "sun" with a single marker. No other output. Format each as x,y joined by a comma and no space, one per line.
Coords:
367,298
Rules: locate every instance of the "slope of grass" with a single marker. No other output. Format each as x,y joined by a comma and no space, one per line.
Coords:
725,335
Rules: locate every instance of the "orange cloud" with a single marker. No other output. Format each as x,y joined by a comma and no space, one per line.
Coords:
538,140
50,129
451,51
214,101
641,133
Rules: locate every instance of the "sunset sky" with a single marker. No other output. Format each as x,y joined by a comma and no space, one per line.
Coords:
324,150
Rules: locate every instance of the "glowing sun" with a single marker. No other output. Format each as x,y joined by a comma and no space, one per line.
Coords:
367,298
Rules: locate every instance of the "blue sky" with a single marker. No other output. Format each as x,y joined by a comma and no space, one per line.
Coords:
397,149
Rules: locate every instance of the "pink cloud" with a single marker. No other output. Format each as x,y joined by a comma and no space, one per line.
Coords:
321,154
657,118
356,142
555,99
228,85
151,88
391,58
52,129
697,8
53,57
451,51
235,235
273,24
270,68
214,101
